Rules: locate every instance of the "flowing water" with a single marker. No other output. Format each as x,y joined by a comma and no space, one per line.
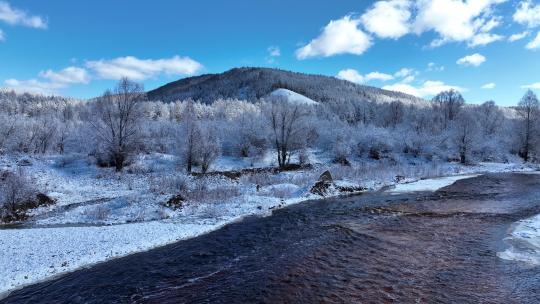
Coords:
436,247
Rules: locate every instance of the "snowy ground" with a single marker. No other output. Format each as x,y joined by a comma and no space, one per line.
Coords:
432,184
524,242
131,205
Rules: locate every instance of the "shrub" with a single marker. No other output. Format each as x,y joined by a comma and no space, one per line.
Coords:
17,193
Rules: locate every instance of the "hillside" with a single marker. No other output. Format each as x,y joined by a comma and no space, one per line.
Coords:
254,83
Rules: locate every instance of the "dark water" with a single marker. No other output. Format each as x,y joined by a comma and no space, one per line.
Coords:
419,248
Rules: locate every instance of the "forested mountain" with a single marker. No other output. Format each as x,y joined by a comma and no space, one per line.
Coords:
253,83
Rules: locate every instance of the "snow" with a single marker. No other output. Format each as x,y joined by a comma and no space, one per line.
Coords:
101,215
524,242
293,97
32,255
68,248
432,184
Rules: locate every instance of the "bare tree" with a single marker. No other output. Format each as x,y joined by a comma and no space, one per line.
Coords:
7,129
190,134
395,113
208,148
490,117
528,109
465,135
45,131
448,103
287,127
118,116
16,188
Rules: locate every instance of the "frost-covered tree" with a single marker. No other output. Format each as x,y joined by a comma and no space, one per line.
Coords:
287,127
16,188
118,115
189,135
448,104
396,112
465,131
7,130
208,148
528,110
490,117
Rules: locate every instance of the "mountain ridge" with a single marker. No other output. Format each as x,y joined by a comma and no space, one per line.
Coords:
253,83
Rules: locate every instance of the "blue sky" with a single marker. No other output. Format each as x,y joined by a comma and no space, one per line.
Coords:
487,49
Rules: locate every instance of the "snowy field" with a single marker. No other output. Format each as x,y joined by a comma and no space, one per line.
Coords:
100,215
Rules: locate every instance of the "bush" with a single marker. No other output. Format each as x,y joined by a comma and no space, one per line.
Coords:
170,184
66,160
17,194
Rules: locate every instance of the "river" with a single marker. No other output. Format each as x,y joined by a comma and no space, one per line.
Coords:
438,247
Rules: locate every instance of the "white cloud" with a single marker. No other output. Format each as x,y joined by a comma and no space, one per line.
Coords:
490,24
483,39
428,88
472,60
407,75
535,43
388,19
141,69
274,51
67,75
433,67
351,75
408,79
52,83
404,72
354,76
518,36
33,86
378,76
489,86
15,16
458,21
527,14
531,86
338,37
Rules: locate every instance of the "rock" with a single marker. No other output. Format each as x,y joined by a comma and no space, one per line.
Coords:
44,200
342,161
175,202
351,189
24,162
323,184
326,177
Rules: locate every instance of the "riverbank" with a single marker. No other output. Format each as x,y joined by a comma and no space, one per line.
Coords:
31,255
524,242
408,247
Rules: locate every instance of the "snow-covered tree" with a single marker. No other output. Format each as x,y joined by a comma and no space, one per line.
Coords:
465,135
528,110
118,115
448,104
287,127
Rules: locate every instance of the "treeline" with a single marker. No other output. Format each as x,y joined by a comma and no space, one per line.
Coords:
123,122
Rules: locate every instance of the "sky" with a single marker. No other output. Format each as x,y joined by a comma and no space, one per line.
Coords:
486,49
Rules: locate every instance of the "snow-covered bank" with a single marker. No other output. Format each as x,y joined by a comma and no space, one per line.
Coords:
32,255
35,254
432,184
524,241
